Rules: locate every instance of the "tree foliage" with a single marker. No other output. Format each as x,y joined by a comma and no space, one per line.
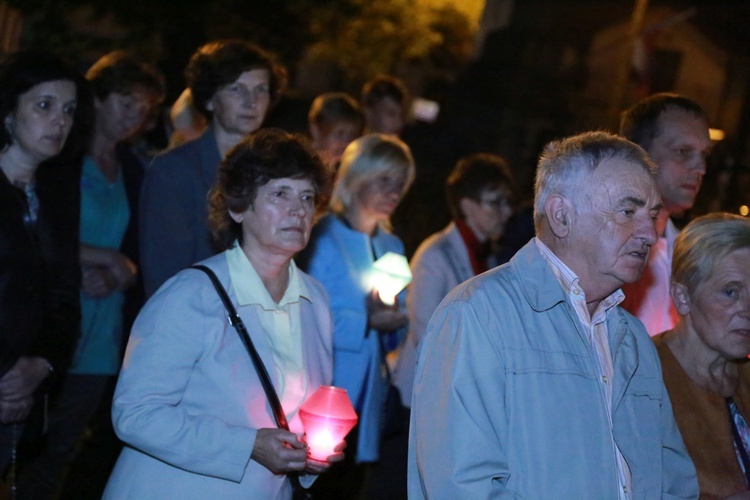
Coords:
362,37
379,36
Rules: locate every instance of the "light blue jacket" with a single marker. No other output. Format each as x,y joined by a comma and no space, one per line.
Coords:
507,400
189,402
340,258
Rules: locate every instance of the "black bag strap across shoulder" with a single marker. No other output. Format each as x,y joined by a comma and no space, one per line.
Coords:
265,380
238,325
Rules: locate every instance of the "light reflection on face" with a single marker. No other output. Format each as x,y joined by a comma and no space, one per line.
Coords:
680,150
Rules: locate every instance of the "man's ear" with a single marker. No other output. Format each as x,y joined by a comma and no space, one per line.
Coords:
559,212
680,298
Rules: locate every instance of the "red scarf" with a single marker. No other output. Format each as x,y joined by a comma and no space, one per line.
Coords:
478,252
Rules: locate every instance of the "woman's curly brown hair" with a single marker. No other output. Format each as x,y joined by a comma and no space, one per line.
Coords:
264,155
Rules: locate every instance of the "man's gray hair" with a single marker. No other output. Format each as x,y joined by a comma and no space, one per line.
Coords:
565,165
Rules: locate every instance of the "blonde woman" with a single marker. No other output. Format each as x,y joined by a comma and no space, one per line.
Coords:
376,171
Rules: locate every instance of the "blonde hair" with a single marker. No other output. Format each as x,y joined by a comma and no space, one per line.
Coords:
703,243
365,159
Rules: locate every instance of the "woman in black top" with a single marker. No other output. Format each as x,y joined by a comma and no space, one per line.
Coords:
39,272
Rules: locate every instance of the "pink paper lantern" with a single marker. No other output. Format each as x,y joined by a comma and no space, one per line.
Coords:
327,417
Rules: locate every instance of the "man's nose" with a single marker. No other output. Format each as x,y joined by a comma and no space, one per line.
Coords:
647,231
699,163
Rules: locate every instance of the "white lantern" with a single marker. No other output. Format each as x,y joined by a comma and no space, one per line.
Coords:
389,275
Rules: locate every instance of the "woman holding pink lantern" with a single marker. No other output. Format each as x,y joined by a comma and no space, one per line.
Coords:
211,409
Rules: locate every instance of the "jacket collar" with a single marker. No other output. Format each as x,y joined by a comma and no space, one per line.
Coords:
542,291
538,283
624,347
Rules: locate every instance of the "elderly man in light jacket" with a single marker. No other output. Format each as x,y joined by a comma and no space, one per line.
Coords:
531,381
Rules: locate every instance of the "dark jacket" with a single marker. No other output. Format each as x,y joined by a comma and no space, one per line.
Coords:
40,271
174,231
132,175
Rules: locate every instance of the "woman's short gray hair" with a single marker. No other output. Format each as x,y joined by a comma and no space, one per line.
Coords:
365,159
703,243
566,164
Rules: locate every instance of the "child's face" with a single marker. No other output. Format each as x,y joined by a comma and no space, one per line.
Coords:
385,117
332,143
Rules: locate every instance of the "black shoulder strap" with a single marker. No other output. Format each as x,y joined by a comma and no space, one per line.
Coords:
238,325
298,492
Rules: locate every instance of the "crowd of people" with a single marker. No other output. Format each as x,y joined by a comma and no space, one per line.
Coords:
220,282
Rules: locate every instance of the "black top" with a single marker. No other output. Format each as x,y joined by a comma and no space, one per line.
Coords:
40,270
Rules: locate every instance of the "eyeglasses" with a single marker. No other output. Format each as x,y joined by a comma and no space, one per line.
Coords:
496,203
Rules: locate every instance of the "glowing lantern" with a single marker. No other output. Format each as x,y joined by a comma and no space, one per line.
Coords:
389,275
327,417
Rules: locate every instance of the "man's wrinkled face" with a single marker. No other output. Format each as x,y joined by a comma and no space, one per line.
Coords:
613,227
